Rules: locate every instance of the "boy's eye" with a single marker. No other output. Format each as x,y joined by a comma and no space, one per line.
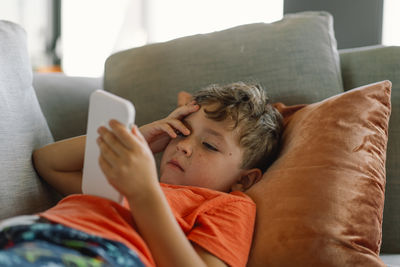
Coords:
210,147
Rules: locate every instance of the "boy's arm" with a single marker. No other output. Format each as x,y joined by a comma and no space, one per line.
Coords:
61,163
129,165
167,242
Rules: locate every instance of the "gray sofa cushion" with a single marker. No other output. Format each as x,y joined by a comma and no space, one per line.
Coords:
362,66
22,128
64,101
295,58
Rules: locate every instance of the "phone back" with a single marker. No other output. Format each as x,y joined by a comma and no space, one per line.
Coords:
103,107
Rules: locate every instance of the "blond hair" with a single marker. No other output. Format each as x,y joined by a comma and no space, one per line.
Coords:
247,105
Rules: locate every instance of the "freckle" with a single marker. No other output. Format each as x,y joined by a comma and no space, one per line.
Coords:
230,153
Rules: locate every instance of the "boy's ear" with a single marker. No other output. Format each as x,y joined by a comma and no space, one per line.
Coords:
184,98
247,180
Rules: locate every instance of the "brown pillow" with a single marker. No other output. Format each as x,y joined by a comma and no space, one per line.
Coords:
321,202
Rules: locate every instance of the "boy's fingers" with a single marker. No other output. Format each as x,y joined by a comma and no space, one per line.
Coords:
110,139
135,131
122,133
139,142
183,111
168,129
171,126
106,152
126,137
178,125
105,167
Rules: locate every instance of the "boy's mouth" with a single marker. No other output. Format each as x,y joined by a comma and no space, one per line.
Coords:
175,164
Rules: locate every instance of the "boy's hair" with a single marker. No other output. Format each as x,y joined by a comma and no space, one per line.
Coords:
260,124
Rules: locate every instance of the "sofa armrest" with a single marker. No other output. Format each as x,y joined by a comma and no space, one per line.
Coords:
367,65
64,101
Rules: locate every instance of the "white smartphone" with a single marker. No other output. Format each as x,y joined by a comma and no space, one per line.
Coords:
103,106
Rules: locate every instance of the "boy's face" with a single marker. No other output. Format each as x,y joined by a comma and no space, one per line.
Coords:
209,156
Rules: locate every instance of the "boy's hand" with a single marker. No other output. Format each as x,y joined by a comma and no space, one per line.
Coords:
159,133
126,160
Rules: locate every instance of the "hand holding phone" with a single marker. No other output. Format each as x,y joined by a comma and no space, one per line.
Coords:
103,107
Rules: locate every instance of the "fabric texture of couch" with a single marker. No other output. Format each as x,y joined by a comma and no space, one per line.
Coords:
22,128
295,59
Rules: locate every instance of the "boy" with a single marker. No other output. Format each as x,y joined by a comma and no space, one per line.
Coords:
215,148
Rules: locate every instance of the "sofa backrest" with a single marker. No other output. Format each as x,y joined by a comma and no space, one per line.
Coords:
65,102
295,59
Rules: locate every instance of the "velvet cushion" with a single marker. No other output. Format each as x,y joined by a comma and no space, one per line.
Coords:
321,202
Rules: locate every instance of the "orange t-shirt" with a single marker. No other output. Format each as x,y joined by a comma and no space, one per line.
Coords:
221,223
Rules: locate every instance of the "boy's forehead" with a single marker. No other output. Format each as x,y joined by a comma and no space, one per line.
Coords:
200,119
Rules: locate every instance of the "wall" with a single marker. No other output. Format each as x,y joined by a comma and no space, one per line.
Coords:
357,22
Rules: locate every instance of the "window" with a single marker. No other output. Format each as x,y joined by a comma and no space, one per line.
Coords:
391,20
176,18
94,29
91,30
33,17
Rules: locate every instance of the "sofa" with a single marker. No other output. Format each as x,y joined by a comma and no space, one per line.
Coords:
295,59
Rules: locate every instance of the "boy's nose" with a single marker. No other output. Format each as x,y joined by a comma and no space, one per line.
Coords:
184,147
